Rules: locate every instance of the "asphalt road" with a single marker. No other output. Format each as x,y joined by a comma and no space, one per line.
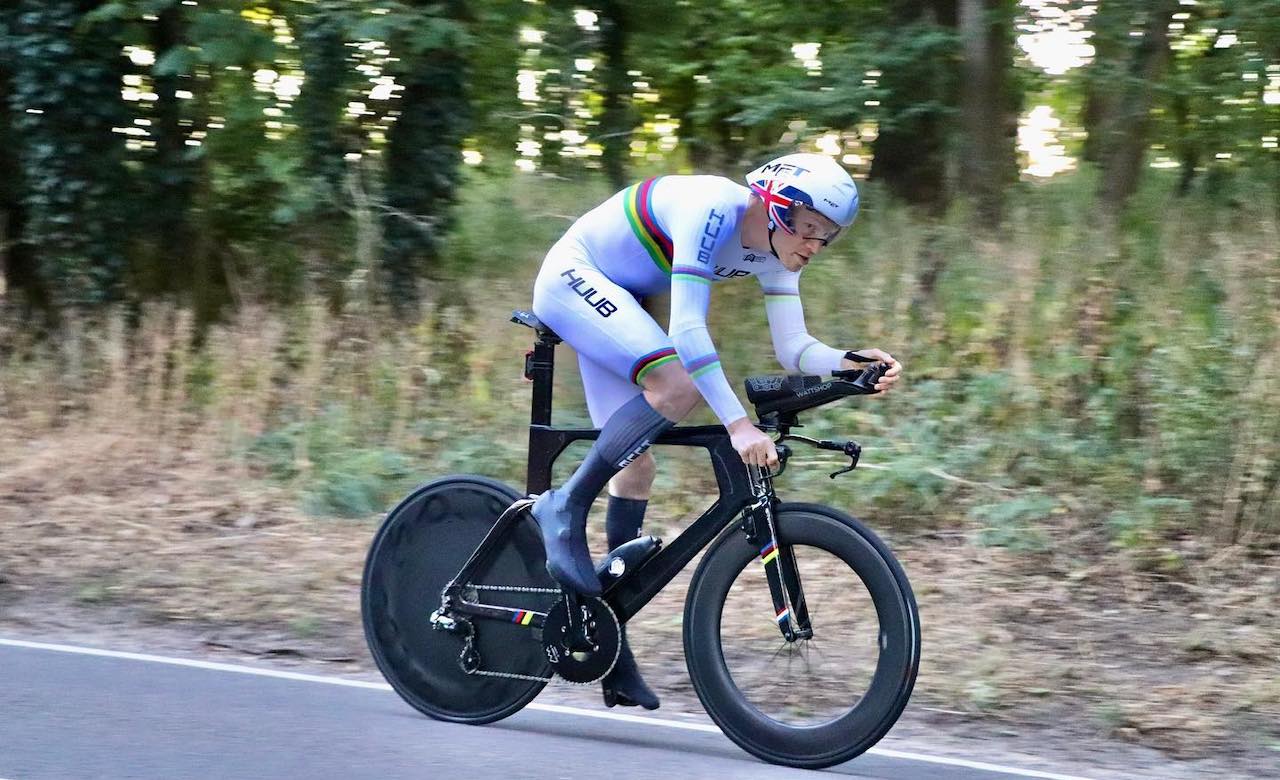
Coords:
67,715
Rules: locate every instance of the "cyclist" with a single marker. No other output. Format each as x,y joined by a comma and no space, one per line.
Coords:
680,234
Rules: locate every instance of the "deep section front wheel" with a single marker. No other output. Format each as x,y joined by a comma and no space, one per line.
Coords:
813,702
420,547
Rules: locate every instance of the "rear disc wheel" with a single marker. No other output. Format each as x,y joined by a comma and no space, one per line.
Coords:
421,546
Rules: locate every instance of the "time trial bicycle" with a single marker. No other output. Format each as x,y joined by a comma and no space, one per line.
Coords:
801,633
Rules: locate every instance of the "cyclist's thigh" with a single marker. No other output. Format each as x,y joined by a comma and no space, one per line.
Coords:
605,324
606,390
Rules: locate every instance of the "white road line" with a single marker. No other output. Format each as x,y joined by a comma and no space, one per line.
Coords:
554,708
217,667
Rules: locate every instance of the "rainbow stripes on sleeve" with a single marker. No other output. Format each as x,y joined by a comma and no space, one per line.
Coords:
702,365
638,202
692,273
800,357
780,295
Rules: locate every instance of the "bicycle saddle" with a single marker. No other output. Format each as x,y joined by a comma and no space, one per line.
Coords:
527,318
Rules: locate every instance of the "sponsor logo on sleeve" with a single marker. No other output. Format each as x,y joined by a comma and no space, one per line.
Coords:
707,246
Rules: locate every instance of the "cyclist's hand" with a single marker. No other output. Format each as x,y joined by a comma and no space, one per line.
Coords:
755,448
890,377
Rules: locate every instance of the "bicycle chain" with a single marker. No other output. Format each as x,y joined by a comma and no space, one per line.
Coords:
513,588
470,641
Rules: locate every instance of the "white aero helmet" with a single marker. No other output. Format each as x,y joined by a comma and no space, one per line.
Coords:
814,180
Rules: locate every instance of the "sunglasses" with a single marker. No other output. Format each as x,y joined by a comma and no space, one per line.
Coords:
809,225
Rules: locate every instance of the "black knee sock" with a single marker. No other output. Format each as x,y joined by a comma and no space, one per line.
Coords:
623,521
625,436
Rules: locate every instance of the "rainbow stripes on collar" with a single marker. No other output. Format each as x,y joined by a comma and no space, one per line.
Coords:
638,202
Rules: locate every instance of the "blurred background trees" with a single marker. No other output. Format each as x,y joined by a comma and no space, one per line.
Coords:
1075,200
200,150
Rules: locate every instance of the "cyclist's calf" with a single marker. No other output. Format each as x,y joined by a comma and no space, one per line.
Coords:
671,392
636,479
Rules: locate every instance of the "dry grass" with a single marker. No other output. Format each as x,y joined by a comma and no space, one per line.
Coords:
101,515
124,480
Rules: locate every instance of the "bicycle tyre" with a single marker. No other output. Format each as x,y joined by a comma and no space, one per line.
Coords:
873,713
422,544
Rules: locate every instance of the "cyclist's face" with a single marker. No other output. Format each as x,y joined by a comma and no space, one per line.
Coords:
812,232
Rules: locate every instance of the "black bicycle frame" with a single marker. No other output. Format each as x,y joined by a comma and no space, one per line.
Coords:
739,496
547,443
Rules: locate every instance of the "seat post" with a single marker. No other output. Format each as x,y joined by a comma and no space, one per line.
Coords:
540,370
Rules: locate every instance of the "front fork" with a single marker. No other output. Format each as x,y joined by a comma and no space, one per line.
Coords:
759,525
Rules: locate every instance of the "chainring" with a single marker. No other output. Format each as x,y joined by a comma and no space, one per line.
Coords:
602,630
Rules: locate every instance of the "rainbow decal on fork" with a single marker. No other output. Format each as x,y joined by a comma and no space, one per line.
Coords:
769,552
523,617
783,615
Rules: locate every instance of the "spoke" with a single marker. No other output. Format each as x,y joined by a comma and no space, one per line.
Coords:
813,645
804,656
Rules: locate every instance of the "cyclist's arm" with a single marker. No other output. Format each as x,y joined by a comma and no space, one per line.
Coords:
696,237
796,349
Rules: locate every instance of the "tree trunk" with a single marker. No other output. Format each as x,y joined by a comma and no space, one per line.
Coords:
329,228
1124,141
172,175
18,275
65,100
424,149
909,153
615,120
324,96
988,114
1186,146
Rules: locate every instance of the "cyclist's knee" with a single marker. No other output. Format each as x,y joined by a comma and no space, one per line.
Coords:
671,392
636,480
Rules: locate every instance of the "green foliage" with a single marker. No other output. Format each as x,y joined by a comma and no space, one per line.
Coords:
1012,523
342,475
358,484
1107,371
1144,523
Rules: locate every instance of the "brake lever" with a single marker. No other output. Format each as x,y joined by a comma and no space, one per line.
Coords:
854,451
784,453
850,448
